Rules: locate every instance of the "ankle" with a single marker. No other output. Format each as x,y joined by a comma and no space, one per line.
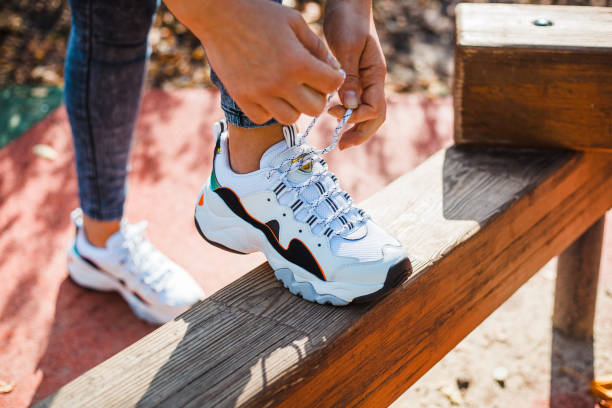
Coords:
247,145
98,232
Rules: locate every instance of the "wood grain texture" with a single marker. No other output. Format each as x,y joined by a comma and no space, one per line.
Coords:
523,85
576,286
477,224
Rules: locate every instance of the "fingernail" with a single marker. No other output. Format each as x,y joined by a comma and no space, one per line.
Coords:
332,61
350,100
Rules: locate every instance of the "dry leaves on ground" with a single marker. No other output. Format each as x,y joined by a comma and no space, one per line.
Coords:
6,387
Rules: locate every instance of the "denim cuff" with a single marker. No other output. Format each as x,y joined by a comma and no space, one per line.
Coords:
233,114
98,213
237,118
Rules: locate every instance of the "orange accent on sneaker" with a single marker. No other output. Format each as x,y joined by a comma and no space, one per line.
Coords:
201,203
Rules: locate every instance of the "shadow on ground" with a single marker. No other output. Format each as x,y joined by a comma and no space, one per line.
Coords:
571,365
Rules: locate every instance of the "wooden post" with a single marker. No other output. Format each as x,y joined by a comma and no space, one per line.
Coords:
534,76
576,288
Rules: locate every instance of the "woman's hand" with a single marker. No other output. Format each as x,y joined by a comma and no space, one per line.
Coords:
265,54
351,35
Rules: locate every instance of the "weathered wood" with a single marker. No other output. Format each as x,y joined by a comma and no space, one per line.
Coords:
520,84
477,224
576,287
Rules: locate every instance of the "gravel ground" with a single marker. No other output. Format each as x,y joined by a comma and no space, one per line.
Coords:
515,359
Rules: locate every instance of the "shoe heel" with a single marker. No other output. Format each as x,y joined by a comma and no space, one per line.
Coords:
219,226
218,245
87,276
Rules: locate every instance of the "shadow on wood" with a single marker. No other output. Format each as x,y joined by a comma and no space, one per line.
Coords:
478,184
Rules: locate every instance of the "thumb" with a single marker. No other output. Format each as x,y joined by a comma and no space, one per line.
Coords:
351,88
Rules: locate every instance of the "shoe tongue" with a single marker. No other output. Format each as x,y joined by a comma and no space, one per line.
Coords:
280,152
119,237
287,149
275,154
115,240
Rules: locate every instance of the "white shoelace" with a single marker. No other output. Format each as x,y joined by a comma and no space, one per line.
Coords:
309,154
144,260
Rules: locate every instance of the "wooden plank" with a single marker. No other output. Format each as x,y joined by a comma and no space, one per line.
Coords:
477,224
538,86
576,286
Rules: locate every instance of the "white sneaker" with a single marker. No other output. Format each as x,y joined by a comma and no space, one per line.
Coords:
156,288
319,244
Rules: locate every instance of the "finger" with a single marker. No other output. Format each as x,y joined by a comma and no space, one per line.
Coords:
360,133
364,130
361,114
307,100
373,103
337,111
314,64
350,90
318,75
282,111
256,113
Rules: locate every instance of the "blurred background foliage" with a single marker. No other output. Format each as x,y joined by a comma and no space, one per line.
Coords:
416,35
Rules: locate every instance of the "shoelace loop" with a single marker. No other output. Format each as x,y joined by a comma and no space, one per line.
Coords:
310,154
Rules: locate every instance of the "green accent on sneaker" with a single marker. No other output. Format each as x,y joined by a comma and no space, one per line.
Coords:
214,183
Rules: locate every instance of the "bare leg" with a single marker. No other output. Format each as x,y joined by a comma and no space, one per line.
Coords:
98,232
246,145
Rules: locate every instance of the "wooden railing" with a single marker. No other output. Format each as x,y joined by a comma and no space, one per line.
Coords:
477,223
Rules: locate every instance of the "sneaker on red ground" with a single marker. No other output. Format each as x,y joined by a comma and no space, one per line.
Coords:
156,288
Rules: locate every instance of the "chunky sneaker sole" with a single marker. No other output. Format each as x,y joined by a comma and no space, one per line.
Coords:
235,230
84,273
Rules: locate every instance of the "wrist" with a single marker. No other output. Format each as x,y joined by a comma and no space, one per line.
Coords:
358,7
362,4
202,17
351,15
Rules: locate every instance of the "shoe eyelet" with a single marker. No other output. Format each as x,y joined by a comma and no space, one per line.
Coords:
318,245
300,231
269,200
284,214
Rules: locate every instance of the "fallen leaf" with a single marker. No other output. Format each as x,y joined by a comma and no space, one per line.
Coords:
500,374
6,387
452,395
573,372
45,151
40,92
14,121
602,388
